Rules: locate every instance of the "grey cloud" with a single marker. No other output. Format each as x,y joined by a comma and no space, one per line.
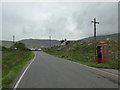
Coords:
106,13
60,20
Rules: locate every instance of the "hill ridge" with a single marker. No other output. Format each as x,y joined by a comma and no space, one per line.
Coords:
37,43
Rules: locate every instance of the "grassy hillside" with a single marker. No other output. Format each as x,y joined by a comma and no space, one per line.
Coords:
113,37
83,52
12,63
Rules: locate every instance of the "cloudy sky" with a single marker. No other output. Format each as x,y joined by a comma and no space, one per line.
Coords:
71,20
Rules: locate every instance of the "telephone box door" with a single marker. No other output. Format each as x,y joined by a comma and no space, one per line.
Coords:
99,54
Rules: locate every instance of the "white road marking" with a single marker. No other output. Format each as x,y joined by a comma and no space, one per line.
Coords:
93,68
23,74
101,70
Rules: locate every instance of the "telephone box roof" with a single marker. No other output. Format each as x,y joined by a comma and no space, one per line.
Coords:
102,43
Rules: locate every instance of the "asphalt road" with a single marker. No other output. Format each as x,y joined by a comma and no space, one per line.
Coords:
47,71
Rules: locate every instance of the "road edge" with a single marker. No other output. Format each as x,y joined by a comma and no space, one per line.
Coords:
86,66
21,74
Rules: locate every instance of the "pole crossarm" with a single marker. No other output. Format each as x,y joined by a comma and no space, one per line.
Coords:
95,21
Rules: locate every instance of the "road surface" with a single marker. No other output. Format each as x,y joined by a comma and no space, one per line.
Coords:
47,71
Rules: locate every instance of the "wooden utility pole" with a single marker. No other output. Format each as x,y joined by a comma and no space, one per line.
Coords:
50,40
13,39
95,22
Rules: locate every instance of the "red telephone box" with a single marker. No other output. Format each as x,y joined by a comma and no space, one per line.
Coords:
102,52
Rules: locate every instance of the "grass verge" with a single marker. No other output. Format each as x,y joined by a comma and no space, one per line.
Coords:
82,52
13,62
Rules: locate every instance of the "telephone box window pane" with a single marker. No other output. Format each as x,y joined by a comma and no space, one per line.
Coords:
99,52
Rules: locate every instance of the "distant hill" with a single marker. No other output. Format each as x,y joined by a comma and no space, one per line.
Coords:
37,43
33,43
7,43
